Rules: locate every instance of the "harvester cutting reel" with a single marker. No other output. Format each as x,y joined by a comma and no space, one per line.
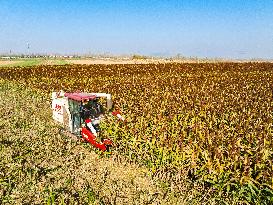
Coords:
81,113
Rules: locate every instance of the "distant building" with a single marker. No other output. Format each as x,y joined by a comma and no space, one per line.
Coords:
6,57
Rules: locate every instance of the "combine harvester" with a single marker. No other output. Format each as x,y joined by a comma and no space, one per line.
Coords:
81,113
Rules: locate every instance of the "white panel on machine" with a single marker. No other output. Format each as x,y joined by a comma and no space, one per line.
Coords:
57,107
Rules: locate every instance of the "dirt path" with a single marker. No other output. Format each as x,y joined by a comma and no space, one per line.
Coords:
7,62
107,62
154,61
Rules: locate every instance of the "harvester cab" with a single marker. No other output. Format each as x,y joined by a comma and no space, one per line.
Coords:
81,113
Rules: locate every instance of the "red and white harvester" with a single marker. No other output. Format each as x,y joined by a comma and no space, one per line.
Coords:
81,113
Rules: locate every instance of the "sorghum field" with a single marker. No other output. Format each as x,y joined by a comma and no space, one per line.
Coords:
210,122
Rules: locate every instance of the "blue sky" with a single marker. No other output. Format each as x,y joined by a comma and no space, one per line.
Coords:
231,29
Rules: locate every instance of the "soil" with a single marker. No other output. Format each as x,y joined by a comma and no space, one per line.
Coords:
103,61
7,62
